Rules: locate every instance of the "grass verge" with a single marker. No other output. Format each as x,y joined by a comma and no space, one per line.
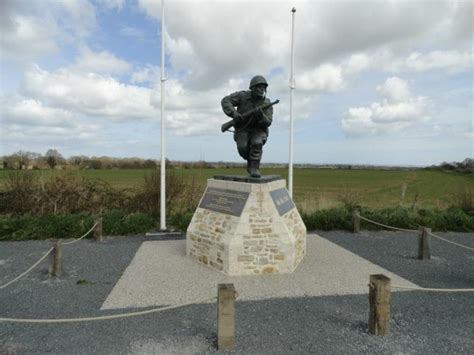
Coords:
119,222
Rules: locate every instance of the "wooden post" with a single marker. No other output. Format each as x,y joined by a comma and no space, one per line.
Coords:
56,260
355,221
424,244
98,229
225,316
379,300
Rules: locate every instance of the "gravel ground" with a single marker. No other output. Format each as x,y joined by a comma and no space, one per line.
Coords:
421,322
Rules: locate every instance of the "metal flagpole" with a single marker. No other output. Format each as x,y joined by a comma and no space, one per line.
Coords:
163,158
292,88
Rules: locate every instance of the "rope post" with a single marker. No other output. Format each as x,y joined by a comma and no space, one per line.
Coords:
355,221
379,300
225,316
98,229
56,259
424,244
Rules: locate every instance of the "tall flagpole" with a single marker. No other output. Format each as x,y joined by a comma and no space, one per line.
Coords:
292,88
163,158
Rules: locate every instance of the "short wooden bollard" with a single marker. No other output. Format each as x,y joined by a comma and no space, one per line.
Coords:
56,260
424,252
225,316
379,300
355,221
98,229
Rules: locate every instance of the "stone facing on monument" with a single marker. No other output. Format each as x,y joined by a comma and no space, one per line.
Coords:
264,235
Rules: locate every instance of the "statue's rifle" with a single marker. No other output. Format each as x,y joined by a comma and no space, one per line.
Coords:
248,114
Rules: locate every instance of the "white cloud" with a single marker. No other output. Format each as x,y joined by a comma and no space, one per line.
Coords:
100,62
192,112
89,93
395,89
204,49
397,111
342,32
25,37
357,63
32,120
32,112
113,4
452,61
147,74
29,32
325,78
77,17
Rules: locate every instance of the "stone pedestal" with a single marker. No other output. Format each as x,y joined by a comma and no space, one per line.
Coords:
246,226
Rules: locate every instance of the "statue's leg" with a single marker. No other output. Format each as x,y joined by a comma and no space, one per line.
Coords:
257,140
242,140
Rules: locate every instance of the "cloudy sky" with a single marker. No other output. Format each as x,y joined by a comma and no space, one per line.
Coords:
377,82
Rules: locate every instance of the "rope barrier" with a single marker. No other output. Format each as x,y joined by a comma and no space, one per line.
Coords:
78,239
449,241
27,271
389,227
113,316
415,231
434,289
42,258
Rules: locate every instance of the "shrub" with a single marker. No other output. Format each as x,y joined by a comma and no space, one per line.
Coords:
118,222
335,218
453,219
182,194
464,198
29,193
44,227
181,220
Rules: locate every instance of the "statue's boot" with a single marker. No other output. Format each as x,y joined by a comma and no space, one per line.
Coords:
248,166
254,165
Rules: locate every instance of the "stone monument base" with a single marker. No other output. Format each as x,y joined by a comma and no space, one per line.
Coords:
245,227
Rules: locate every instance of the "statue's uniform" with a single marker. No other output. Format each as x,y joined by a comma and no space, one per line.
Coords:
250,137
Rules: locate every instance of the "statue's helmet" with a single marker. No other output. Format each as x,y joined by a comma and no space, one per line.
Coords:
257,80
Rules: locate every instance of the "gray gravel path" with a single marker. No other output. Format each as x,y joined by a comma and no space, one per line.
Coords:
422,322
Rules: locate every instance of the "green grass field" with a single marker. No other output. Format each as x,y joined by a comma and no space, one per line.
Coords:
325,188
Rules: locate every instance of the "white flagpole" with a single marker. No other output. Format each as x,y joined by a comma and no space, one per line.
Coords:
292,88
163,158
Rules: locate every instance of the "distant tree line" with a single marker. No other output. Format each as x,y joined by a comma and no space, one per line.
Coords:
466,166
52,159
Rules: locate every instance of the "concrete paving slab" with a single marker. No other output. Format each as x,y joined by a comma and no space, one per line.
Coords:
161,274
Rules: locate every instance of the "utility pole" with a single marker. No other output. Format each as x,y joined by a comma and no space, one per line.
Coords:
292,88
163,157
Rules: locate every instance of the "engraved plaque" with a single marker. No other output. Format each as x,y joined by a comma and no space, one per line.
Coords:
224,201
282,200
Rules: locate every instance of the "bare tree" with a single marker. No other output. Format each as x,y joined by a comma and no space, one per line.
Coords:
53,157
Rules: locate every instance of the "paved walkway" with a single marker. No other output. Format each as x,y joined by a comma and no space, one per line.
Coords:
161,274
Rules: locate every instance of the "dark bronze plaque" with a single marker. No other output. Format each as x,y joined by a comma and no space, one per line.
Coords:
282,200
224,201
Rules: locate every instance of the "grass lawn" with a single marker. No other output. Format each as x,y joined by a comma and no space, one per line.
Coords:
323,188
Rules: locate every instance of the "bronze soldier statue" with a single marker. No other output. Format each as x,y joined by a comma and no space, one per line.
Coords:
252,114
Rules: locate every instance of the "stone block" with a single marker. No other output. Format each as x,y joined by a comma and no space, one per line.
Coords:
250,240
